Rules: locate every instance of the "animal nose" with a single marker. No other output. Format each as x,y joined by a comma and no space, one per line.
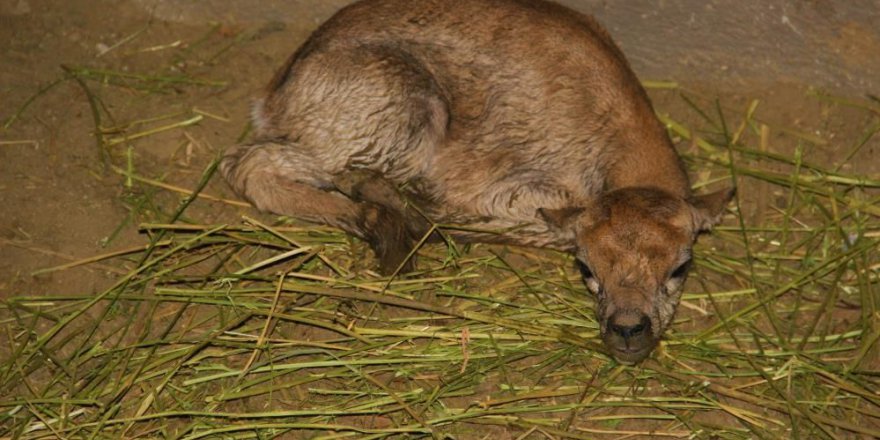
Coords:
629,325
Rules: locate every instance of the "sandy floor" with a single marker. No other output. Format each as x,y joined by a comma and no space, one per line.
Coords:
176,79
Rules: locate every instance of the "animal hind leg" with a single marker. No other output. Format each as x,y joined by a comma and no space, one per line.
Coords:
366,107
273,179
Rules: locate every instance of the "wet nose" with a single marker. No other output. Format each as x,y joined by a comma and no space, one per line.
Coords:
629,325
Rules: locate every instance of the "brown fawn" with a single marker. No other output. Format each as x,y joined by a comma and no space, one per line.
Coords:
519,121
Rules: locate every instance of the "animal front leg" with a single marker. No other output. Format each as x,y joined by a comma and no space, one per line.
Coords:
386,232
370,187
383,228
363,184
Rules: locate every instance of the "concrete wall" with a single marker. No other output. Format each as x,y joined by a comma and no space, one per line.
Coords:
833,44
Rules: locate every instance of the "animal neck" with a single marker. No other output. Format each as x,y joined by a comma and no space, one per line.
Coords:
645,157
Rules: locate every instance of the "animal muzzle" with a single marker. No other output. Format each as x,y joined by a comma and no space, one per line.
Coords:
629,336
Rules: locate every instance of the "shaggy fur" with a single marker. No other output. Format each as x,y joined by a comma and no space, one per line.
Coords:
518,118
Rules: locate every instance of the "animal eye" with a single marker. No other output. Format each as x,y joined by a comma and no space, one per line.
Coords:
585,270
681,270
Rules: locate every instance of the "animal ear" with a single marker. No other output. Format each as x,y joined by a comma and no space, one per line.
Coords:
708,208
559,218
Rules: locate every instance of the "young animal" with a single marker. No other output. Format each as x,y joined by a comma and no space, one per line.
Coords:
518,120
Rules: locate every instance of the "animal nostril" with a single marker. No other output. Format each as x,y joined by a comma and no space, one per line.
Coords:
627,327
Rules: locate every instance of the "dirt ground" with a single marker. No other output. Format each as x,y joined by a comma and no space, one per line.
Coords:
157,64
61,205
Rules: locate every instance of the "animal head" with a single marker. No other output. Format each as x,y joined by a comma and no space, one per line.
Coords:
634,249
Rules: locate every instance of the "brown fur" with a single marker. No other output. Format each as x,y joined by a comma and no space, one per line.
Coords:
520,119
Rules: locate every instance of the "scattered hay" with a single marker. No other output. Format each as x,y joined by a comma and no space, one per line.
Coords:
251,330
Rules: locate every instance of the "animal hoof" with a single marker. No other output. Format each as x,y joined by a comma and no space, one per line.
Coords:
389,238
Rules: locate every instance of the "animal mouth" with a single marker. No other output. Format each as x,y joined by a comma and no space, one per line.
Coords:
630,356
630,352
